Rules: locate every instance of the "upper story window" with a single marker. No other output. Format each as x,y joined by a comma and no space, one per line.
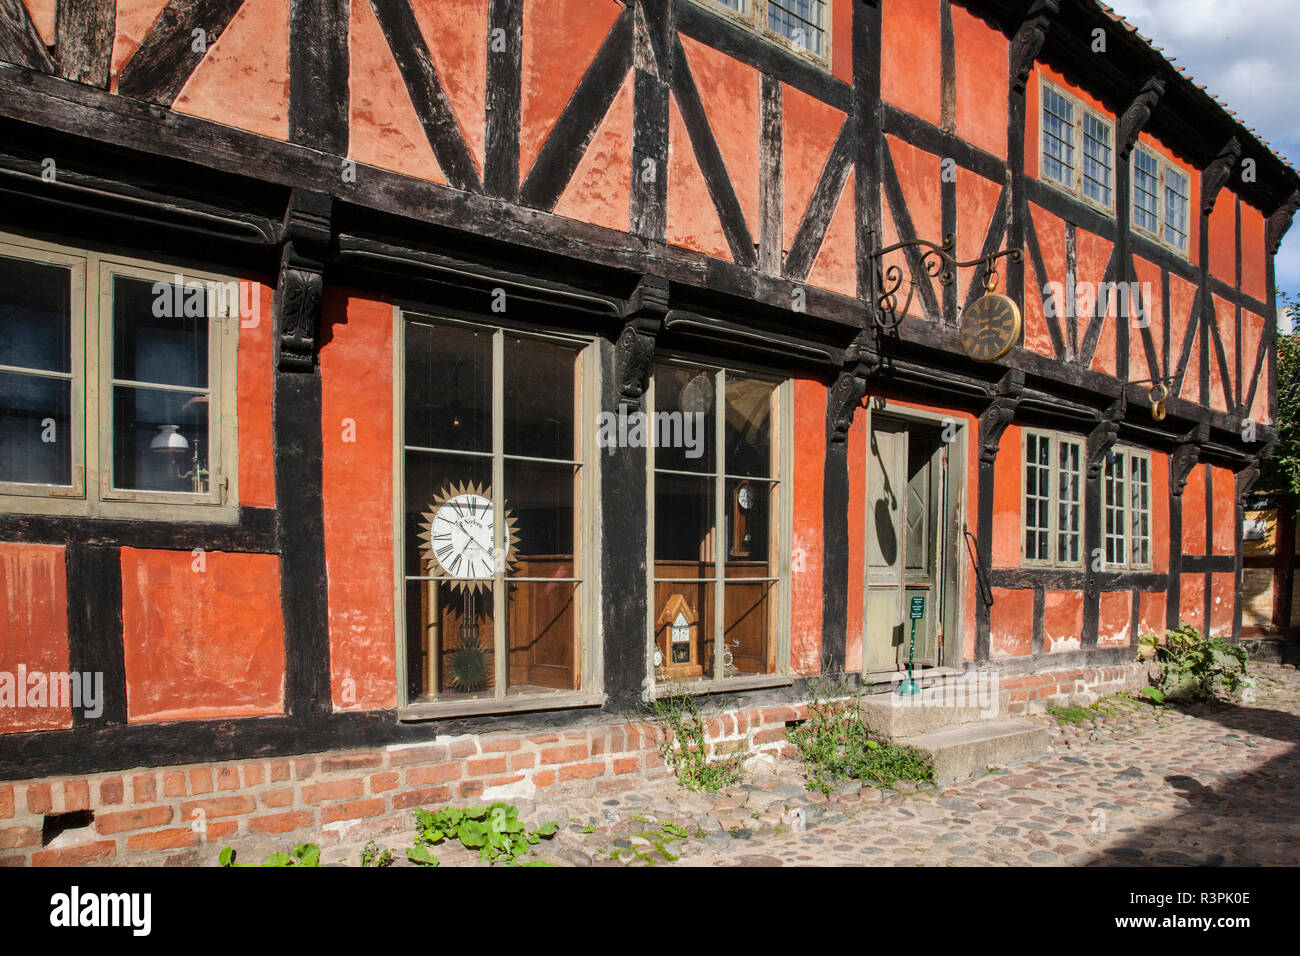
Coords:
1053,505
1126,486
719,577
117,386
1077,148
496,476
1161,198
800,25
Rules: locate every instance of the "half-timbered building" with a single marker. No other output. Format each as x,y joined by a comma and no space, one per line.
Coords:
396,395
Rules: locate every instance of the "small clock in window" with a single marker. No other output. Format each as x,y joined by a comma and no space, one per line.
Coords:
458,536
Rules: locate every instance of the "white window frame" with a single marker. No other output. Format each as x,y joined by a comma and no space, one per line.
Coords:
1129,514
782,520
1054,529
753,17
1074,188
586,512
91,493
1163,166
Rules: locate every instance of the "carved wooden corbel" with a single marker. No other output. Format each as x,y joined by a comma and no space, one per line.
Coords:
1185,457
1000,413
1102,438
305,240
1280,222
1218,173
862,360
1136,116
635,351
1029,39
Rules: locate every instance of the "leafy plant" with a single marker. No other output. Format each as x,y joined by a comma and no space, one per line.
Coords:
683,744
1282,471
834,744
495,831
306,854
372,856
1192,664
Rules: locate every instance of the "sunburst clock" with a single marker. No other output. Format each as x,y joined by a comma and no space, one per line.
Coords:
458,536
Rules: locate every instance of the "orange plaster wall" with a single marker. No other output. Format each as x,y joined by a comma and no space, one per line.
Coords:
910,55
243,81
1252,330
1151,612
981,57
202,635
131,26
1226,317
357,403
600,191
1254,259
1148,276
1115,619
836,265
1050,231
692,218
34,609
1007,499
255,399
806,548
456,32
1011,631
977,200
1159,512
1222,604
918,176
1191,600
1194,536
810,129
43,13
1226,531
857,518
1062,621
842,42
1182,296
1223,238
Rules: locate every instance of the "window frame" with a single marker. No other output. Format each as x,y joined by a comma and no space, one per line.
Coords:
590,662
755,20
91,493
1163,167
1077,140
782,523
1129,454
1054,531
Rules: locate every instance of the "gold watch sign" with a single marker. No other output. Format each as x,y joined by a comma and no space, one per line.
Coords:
990,327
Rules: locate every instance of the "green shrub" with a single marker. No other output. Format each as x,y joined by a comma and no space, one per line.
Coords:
682,742
1192,664
306,854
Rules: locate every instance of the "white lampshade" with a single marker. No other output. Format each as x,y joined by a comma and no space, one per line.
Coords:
169,441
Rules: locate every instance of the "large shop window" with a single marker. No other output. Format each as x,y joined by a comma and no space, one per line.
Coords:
1077,148
497,487
117,386
803,26
1053,499
1161,196
719,578
1126,491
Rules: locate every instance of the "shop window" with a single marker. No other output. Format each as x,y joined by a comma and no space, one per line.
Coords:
1053,505
803,26
497,490
719,578
1126,493
1161,199
1077,148
116,386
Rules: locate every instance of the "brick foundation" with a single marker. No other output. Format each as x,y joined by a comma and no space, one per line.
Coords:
183,815
1033,693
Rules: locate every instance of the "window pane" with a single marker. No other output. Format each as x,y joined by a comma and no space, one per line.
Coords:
799,21
35,429
448,387
1058,137
683,632
35,315
450,642
1141,505
684,523
543,631
160,440
1116,535
1096,159
749,509
539,395
429,479
684,418
1037,497
1146,179
1176,193
541,499
747,430
1069,495
160,332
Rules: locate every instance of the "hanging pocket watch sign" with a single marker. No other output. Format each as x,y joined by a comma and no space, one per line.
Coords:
458,536
990,326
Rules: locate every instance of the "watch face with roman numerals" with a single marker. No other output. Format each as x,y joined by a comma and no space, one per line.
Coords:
990,327
458,537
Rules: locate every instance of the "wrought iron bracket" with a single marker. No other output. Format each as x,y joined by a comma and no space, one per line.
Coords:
935,262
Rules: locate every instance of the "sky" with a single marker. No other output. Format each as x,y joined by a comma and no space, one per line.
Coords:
1247,53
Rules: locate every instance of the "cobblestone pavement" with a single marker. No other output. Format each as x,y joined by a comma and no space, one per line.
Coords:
1215,785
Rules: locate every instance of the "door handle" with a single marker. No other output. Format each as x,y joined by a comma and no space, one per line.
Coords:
981,574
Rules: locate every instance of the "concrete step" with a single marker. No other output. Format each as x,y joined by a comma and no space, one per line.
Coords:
961,750
934,708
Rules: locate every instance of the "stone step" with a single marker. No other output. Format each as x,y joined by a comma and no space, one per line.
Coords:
895,716
964,749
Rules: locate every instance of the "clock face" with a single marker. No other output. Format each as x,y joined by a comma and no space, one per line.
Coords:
459,536
990,327
745,496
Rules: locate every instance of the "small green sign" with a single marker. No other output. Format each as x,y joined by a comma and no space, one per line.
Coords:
918,608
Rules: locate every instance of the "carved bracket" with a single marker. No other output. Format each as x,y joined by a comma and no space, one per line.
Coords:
1218,173
1029,40
634,353
1280,222
1000,413
862,360
305,239
1136,116
1185,457
1103,438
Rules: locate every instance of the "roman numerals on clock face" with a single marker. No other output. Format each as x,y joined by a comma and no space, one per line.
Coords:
463,536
